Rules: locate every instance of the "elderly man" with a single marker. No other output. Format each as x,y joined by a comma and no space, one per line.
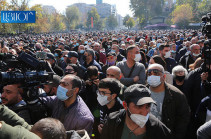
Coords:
190,58
172,106
102,55
68,106
135,120
133,71
89,59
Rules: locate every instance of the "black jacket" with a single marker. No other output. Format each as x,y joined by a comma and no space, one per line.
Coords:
58,70
186,60
113,128
175,111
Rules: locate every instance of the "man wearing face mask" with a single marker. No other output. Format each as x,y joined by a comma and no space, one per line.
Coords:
111,61
172,106
135,120
72,58
189,58
115,48
68,106
165,53
107,97
132,70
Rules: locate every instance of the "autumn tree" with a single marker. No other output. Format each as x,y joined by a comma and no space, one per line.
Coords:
182,15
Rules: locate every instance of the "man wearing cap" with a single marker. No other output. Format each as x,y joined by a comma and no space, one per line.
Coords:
72,58
51,88
135,120
172,106
52,61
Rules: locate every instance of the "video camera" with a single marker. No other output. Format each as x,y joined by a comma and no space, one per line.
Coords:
30,72
206,51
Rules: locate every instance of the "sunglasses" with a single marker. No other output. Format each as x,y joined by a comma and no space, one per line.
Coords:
155,72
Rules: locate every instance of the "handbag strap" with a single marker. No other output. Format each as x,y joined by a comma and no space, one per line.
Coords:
131,70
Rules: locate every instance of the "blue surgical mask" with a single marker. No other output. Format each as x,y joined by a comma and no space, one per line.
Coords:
82,51
61,93
86,42
89,43
113,51
77,44
62,58
56,55
158,44
74,45
56,45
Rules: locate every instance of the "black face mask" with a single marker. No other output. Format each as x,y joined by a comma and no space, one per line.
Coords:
180,78
68,61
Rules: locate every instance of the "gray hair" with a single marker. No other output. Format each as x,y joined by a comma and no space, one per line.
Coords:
157,65
193,45
178,69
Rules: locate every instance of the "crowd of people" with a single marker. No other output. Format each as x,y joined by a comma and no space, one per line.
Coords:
113,85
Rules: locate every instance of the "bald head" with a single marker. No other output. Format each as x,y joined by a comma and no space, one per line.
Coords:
113,72
157,66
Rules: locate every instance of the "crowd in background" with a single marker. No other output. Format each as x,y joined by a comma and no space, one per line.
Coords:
99,73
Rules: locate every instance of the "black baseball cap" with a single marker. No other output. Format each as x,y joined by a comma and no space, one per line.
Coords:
50,56
72,54
138,94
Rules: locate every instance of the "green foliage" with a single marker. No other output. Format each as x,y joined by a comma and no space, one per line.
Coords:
130,22
126,19
72,16
182,15
112,22
96,19
146,9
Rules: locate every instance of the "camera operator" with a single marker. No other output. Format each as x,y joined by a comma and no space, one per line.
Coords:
51,88
11,97
51,59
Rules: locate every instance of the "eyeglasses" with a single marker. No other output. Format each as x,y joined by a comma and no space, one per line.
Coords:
71,71
156,72
102,93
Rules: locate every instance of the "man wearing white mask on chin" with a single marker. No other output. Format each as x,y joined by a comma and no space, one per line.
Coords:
172,107
132,70
68,106
135,120
165,53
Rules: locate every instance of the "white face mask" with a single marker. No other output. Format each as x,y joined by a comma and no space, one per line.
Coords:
168,54
153,80
103,100
196,54
139,119
137,57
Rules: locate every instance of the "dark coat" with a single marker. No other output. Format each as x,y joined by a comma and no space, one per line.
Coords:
113,128
175,111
